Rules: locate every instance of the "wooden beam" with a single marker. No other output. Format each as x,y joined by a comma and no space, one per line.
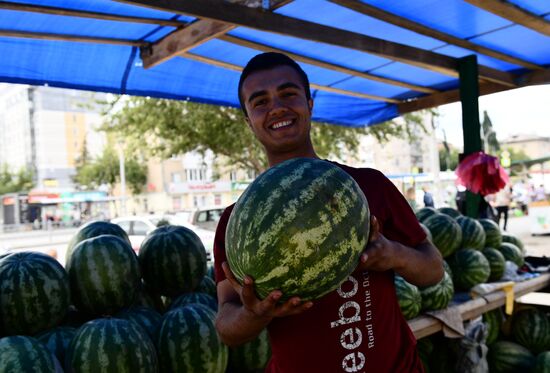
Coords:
326,65
85,14
74,38
388,17
280,24
534,78
200,31
514,14
446,97
233,67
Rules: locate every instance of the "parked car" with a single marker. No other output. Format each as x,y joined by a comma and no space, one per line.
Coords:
138,227
203,217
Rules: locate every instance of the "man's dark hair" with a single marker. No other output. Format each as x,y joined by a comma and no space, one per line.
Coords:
266,61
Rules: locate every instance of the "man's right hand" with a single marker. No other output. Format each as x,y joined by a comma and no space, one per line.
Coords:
269,307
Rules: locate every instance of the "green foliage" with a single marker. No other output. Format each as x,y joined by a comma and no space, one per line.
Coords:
160,127
489,136
11,182
106,170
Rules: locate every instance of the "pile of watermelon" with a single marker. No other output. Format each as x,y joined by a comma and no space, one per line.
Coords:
112,311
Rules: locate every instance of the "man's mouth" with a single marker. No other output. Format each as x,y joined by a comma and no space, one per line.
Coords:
281,124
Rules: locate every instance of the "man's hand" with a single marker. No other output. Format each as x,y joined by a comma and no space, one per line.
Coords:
380,253
267,308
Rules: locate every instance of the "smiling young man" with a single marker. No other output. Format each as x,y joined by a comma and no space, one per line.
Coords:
359,326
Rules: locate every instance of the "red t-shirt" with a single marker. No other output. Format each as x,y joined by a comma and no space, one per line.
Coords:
358,327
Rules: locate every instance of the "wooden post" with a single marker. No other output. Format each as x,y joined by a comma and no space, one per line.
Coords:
469,92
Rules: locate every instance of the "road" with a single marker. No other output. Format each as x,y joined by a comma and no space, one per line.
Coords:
534,245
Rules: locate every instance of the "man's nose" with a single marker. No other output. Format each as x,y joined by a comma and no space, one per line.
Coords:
277,107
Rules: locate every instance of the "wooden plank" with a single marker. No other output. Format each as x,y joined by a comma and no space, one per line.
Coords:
312,85
533,78
86,14
423,326
388,17
187,38
446,97
63,37
325,65
514,14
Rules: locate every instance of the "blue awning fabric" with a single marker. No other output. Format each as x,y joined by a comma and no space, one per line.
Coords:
118,68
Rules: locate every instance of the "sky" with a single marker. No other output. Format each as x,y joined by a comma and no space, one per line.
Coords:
519,111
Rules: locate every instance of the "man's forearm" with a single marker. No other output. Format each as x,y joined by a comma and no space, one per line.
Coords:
421,266
236,325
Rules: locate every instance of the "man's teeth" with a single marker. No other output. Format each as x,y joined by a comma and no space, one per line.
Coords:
281,124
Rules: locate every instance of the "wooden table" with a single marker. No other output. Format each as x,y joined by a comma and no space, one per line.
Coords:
423,326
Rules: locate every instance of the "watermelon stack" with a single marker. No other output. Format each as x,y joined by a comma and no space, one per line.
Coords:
424,213
509,357
493,236
94,229
493,319
408,297
453,213
531,329
512,253
473,235
542,363
301,223
469,268
496,261
251,357
510,238
26,354
446,233
438,296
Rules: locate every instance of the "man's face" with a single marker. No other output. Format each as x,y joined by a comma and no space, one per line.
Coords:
278,111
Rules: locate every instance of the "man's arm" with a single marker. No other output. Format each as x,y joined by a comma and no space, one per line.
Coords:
421,266
242,316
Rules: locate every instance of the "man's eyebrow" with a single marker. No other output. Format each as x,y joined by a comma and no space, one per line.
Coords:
256,94
288,85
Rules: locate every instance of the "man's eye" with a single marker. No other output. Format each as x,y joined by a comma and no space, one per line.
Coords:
259,102
289,94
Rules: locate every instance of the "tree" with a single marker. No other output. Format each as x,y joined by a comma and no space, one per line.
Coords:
163,128
12,182
489,136
105,170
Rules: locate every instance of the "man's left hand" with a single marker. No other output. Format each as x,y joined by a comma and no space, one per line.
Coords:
380,254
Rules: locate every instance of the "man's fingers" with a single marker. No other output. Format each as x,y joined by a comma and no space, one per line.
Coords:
293,306
374,228
230,277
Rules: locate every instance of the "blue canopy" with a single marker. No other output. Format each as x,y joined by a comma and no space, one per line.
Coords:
368,61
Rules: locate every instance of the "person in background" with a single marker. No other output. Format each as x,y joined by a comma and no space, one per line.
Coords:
428,198
410,195
539,193
502,201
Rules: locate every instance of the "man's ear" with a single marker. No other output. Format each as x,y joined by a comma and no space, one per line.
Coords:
310,105
247,119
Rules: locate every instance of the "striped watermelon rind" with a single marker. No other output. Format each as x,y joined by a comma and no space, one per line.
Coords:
188,341
34,293
470,267
446,233
427,231
57,340
512,253
438,296
453,213
300,227
200,298
507,237
25,354
473,234
497,263
208,286
104,275
542,363
173,260
493,235
424,213
509,357
493,319
408,297
111,345
531,329
94,229
250,357
147,318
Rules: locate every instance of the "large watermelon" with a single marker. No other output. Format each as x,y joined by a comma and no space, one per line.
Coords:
512,253
111,345
497,263
188,342
446,233
507,237
57,340
473,234
300,227
94,229
173,260
408,296
493,319
470,267
34,293
509,357
21,354
145,317
104,275
542,363
453,213
208,286
531,329
438,296
425,212
493,236
251,357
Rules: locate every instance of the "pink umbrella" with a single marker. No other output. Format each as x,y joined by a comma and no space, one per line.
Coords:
481,173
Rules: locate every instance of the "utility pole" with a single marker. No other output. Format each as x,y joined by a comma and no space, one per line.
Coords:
121,162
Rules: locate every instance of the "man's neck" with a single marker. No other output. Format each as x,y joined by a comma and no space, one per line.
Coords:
275,159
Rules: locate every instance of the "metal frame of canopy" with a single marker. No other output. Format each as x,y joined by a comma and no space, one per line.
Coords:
214,19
